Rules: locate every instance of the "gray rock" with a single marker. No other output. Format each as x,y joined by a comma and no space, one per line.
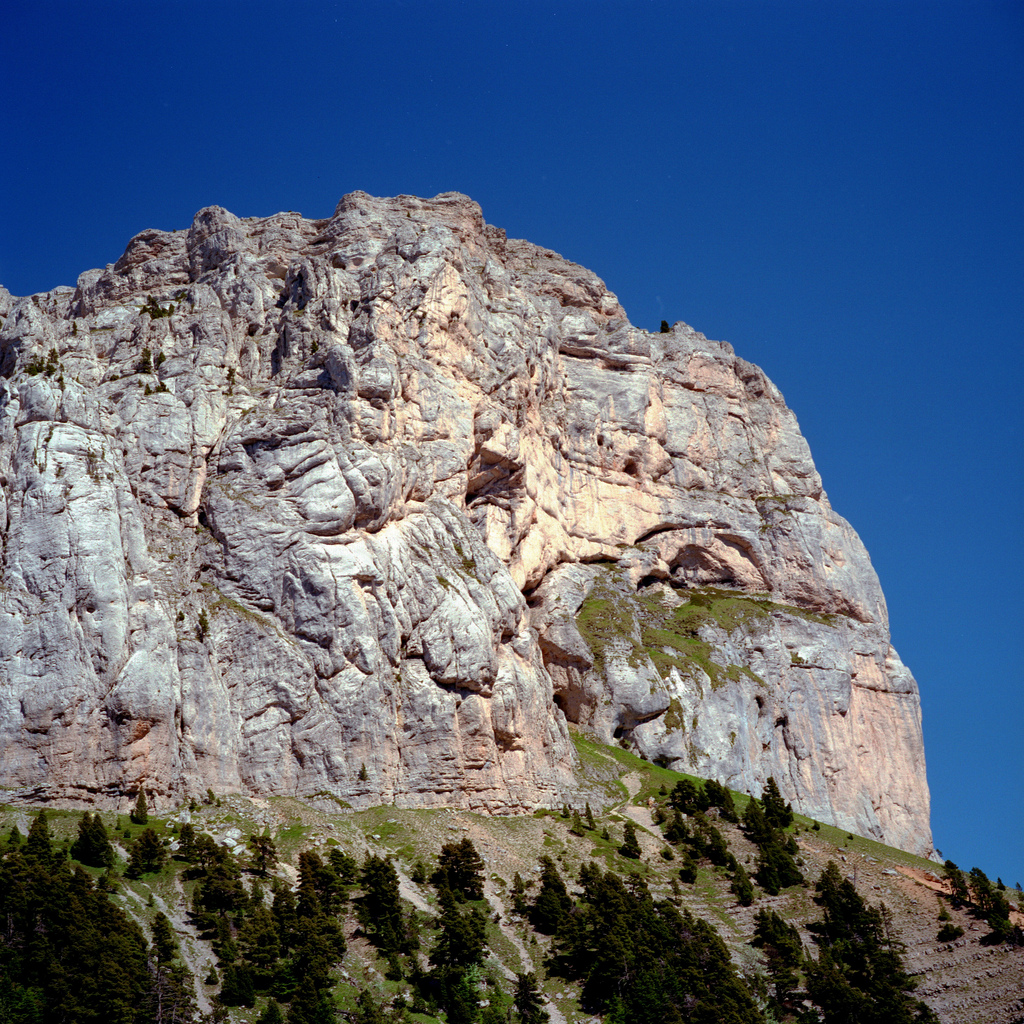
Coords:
273,491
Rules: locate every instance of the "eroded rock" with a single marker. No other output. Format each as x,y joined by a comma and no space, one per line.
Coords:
274,490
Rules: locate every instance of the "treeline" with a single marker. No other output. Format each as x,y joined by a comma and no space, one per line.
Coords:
988,902
857,974
69,953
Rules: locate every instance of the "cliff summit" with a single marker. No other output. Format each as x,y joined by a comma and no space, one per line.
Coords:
374,506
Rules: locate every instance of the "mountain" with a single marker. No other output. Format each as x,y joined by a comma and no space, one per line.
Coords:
370,507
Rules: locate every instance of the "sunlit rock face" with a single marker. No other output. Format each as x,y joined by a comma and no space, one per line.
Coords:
370,506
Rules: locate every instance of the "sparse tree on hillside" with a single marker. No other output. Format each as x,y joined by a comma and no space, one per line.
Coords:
529,1002
460,869
778,813
264,852
140,813
549,910
630,845
92,846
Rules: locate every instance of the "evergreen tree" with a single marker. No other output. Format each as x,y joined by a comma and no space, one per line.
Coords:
687,797
519,903
957,883
777,812
345,867
642,962
259,946
529,1003
140,814
590,818
549,910
741,886
688,871
776,868
92,846
263,851
311,1005
462,939
368,1010
165,944
630,845
146,854
859,974
720,797
380,907
272,1014
460,869
783,950
67,952
37,846
237,989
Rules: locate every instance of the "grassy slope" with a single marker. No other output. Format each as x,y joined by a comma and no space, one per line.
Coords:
509,845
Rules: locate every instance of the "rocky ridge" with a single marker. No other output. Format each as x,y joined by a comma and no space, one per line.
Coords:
370,506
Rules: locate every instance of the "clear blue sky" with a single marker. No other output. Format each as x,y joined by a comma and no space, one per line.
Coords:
835,188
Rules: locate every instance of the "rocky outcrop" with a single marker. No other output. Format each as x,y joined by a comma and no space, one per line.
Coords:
369,506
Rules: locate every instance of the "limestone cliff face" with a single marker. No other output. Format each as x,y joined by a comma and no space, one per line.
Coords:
283,499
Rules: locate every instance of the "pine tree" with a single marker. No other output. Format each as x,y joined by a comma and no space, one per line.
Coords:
957,882
741,886
37,845
859,974
147,854
368,1010
92,846
630,845
777,812
460,869
264,852
380,908
140,814
529,1003
687,797
164,942
549,910
719,796
783,951
590,818
272,1014
462,941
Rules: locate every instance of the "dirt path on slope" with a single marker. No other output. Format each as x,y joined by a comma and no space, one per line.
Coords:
641,815
936,884
510,933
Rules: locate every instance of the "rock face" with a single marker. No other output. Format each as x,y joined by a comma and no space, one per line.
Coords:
369,506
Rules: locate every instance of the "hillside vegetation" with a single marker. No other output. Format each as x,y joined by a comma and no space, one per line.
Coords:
655,897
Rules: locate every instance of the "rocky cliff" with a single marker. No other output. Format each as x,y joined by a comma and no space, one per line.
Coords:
371,506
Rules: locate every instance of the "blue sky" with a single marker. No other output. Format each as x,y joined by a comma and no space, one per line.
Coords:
836,189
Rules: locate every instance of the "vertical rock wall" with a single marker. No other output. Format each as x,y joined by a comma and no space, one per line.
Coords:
277,494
